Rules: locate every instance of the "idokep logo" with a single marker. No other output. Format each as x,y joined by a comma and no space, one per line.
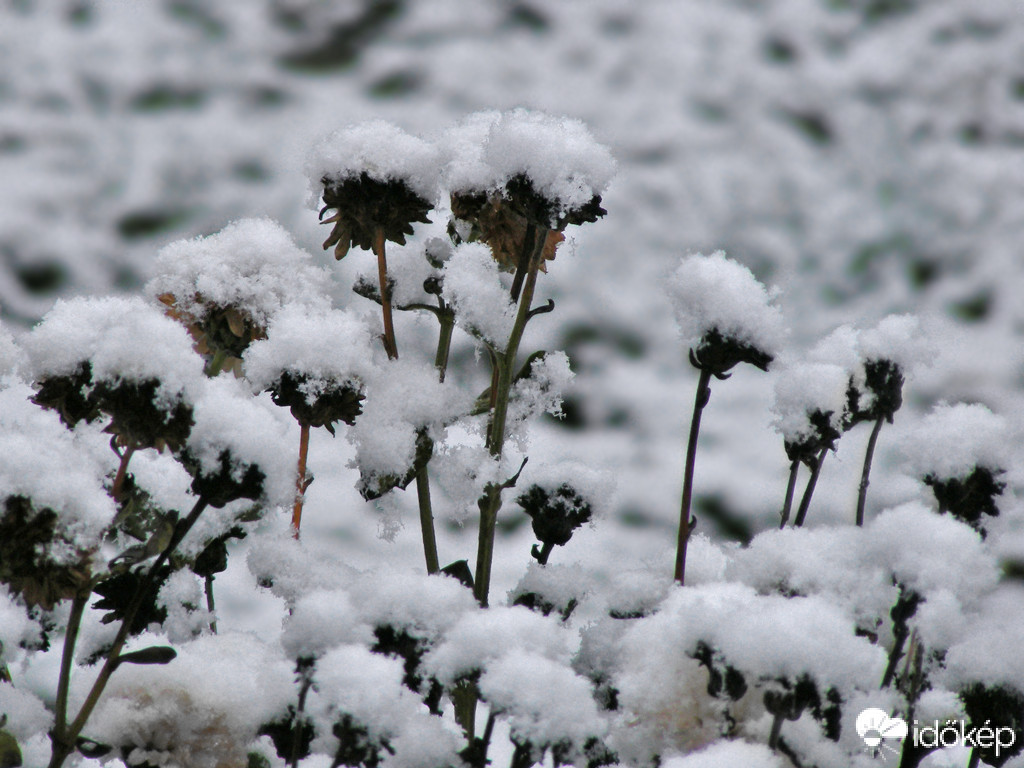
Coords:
876,727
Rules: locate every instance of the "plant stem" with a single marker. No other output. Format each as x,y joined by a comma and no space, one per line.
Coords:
78,604
300,480
64,743
307,681
390,345
464,699
525,256
868,456
975,759
210,606
776,732
794,468
122,472
213,368
490,502
444,343
544,552
701,400
427,521
805,502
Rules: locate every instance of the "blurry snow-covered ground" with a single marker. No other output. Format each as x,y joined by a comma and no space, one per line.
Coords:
865,156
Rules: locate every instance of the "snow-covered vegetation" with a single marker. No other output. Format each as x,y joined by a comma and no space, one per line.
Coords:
482,558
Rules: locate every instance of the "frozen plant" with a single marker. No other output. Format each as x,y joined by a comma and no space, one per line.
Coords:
726,318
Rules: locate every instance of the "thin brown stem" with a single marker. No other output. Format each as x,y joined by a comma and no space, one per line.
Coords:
862,492
300,480
390,345
685,523
787,505
122,472
812,481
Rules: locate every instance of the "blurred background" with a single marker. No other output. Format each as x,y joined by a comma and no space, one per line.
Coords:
865,156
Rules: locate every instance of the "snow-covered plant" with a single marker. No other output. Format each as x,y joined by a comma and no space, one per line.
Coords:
113,649
726,318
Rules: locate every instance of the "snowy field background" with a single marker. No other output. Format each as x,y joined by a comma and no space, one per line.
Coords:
866,157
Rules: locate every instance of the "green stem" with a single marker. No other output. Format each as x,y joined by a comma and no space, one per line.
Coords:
64,743
787,506
444,343
701,400
490,502
213,368
805,502
427,520
78,604
210,605
862,493
464,699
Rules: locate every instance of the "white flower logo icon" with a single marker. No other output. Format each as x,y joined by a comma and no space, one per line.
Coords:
874,725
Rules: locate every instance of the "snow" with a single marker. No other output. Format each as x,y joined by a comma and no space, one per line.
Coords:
473,285
802,389
124,339
953,440
228,419
565,164
715,293
381,150
251,265
900,339
45,463
481,637
546,702
202,709
12,358
728,753
327,347
402,397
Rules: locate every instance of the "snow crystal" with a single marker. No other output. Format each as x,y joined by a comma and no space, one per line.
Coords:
367,686
728,753
559,156
953,440
322,620
474,287
26,714
545,701
381,150
252,265
228,418
424,606
765,636
482,636
183,598
124,339
328,347
402,397
44,462
200,710
541,391
990,653
715,293
802,389
462,151
898,338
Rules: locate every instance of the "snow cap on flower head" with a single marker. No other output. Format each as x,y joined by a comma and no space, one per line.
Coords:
725,315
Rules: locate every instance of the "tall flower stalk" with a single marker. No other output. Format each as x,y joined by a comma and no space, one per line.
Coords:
726,315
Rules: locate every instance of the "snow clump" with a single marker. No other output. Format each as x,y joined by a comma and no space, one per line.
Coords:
953,440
